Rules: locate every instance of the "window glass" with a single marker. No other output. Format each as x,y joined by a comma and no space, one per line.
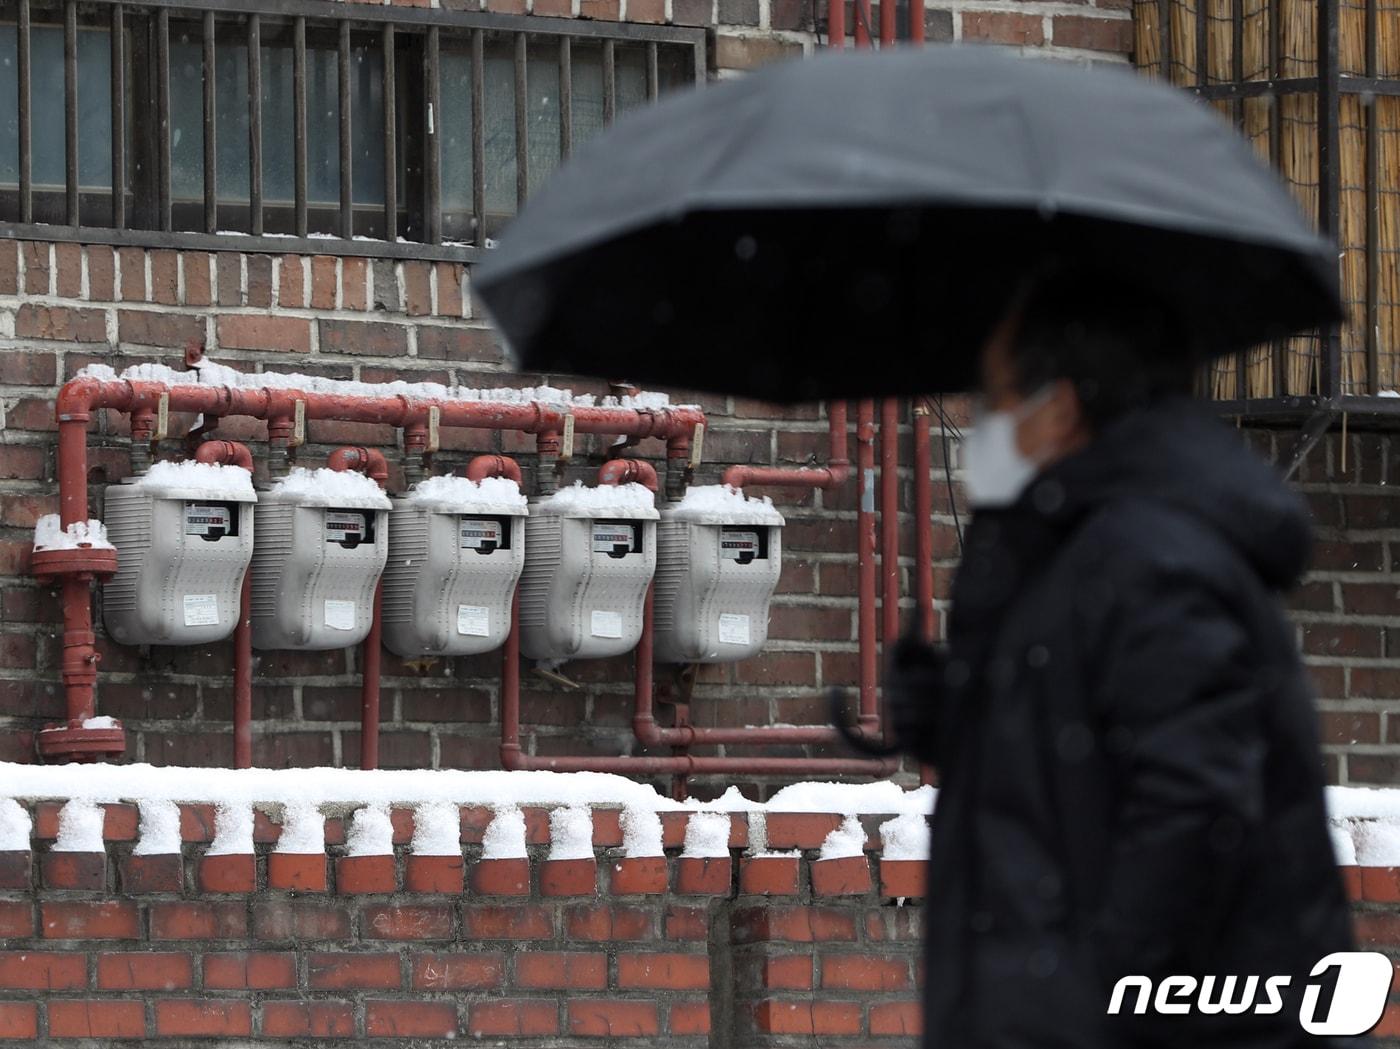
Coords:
48,163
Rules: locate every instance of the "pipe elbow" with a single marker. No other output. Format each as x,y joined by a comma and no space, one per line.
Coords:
647,732
227,453
484,466
368,461
628,471
839,474
512,758
76,398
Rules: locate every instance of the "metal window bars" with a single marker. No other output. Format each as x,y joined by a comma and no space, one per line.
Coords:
388,198
1314,85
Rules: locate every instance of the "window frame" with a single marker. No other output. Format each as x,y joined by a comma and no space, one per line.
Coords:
141,193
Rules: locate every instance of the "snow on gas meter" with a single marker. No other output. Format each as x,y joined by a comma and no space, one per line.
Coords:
184,536
589,558
456,550
718,558
322,537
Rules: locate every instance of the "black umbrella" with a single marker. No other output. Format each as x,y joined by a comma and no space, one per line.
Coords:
853,224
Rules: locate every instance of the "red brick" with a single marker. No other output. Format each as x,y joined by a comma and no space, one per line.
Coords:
556,971
97,1019
847,876
260,281
612,1019
652,11
522,922
74,870
60,323
861,972
323,282
21,462
903,878
801,830
787,972
1001,28
518,1018
294,872
434,874
343,971
673,972
1351,880
896,1019
14,870
229,873
164,277
364,874
19,1020
689,1018
250,971
639,875
457,343
291,282
425,922
410,1019
264,332
568,877
17,919
417,289
9,268
144,874
703,875
144,971
228,266
457,972
318,1019
1091,34
153,328
600,922
506,877
449,285
133,276
115,920
36,269
353,284
366,338
1380,884
28,368
768,875
808,1018
42,971
687,923
203,1017
297,919
792,924
198,921
197,285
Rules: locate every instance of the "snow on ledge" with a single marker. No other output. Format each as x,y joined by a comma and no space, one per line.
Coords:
48,535
356,787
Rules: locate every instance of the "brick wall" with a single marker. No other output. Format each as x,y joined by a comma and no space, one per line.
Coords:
731,951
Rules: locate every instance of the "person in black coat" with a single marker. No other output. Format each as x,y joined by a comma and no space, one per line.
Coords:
1129,776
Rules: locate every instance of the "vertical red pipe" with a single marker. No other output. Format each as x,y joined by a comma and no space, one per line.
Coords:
370,658
865,545
916,22
510,688
243,677
923,521
836,24
889,520
887,23
861,15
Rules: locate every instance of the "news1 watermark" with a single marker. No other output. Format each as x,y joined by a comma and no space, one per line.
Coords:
1345,994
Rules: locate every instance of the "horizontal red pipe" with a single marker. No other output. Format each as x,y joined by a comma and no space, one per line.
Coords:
781,476
515,760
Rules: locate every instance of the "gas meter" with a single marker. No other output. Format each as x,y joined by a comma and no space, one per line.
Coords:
589,557
322,537
718,559
456,549
184,536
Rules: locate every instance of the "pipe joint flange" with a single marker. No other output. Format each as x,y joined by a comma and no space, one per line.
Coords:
51,566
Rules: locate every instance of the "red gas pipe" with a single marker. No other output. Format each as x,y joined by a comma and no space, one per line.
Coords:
629,471
484,466
371,463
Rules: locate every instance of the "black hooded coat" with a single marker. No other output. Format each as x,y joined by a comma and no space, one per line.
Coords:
1129,773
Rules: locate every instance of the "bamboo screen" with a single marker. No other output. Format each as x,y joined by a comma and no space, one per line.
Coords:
1284,131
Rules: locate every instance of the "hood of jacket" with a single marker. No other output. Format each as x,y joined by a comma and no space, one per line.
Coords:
1177,453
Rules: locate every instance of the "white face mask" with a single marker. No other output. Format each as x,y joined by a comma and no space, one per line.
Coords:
995,470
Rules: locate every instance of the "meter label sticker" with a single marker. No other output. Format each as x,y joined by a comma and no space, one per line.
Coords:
201,519
607,537
734,545
201,610
605,624
340,615
733,629
473,621
342,525
476,532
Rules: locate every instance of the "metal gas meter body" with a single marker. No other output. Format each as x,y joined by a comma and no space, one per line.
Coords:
181,552
316,564
715,576
583,591
451,575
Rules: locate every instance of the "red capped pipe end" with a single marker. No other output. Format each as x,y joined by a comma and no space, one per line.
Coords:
368,461
226,453
75,743
50,566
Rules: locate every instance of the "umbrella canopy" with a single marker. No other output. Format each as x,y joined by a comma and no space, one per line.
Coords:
854,225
